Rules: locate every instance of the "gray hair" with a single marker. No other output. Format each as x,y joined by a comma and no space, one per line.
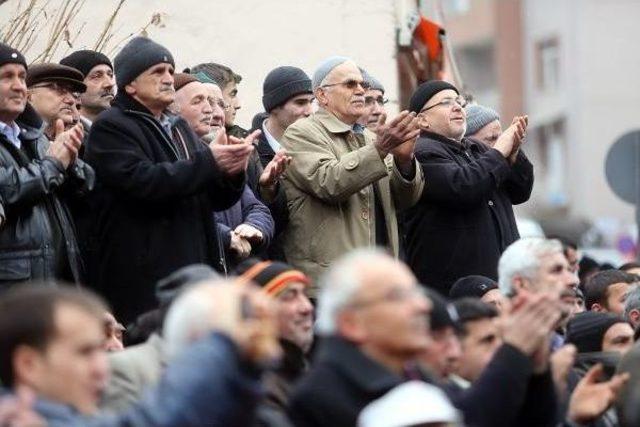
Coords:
522,259
195,312
339,286
632,301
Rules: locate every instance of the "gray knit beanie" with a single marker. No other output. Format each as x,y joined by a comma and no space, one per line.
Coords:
283,83
325,68
137,56
478,116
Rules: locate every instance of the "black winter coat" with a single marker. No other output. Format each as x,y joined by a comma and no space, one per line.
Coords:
339,385
464,219
38,240
507,394
153,207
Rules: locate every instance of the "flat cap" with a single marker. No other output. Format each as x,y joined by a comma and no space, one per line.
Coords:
51,72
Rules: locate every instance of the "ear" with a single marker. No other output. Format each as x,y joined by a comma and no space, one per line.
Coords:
423,122
520,284
321,96
130,89
26,363
349,326
597,308
634,316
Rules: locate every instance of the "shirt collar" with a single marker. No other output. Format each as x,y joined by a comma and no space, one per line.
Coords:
12,132
275,145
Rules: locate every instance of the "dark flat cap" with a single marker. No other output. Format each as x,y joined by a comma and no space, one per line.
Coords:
180,80
425,92
50,72
9,55
85,60
472,286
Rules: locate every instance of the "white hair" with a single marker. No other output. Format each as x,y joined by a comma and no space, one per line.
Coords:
632,301
340,284
522,259
192,315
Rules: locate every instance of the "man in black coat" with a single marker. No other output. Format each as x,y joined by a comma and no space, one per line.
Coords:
464,219
373,317
37,177
286,97
156,192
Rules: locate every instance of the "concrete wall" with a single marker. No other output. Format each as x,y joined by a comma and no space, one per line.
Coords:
598,94
254,36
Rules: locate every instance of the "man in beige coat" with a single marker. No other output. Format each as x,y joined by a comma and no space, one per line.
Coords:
345,183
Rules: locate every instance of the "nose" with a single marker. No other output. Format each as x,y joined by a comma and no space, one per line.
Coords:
18,84
305,305
308,109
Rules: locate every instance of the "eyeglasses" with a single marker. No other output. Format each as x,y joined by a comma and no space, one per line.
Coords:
59,88
448,102
351,84
370,100
394,295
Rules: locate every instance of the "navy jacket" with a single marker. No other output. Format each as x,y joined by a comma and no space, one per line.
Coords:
248,210
207,385
464,219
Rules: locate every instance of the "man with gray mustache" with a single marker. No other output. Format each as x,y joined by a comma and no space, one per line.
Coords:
156,189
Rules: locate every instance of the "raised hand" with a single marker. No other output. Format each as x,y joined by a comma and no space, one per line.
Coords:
591,398
231,154
66,144
403,128
239,245
272,172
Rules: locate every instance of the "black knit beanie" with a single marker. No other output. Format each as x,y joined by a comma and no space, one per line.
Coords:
586,330
85,60
472,286
283,83
425,92
9,55
137,56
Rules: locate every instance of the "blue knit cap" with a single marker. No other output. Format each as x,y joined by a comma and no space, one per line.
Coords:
325,68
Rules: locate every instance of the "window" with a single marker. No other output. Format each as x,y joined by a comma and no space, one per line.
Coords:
548,65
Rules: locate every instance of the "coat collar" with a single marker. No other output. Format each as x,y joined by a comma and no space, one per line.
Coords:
31,124
466,143
127,103
368,374
331,122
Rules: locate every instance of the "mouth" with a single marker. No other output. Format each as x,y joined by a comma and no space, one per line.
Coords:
108,95
458,119
206,120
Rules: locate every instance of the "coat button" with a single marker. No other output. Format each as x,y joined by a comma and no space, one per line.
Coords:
490,202
351,164
365,215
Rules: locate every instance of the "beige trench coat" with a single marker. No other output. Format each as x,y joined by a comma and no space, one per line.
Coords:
329,188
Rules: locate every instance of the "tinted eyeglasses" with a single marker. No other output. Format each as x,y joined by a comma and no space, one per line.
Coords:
59,88
370,100
351,84
448,102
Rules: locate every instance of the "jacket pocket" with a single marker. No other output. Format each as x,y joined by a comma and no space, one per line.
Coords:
13,270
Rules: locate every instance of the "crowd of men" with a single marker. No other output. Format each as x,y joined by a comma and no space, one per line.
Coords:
329,266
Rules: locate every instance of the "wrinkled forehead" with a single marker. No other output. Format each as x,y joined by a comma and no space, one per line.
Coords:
343,72
193,89
443,94
213,90
11,67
